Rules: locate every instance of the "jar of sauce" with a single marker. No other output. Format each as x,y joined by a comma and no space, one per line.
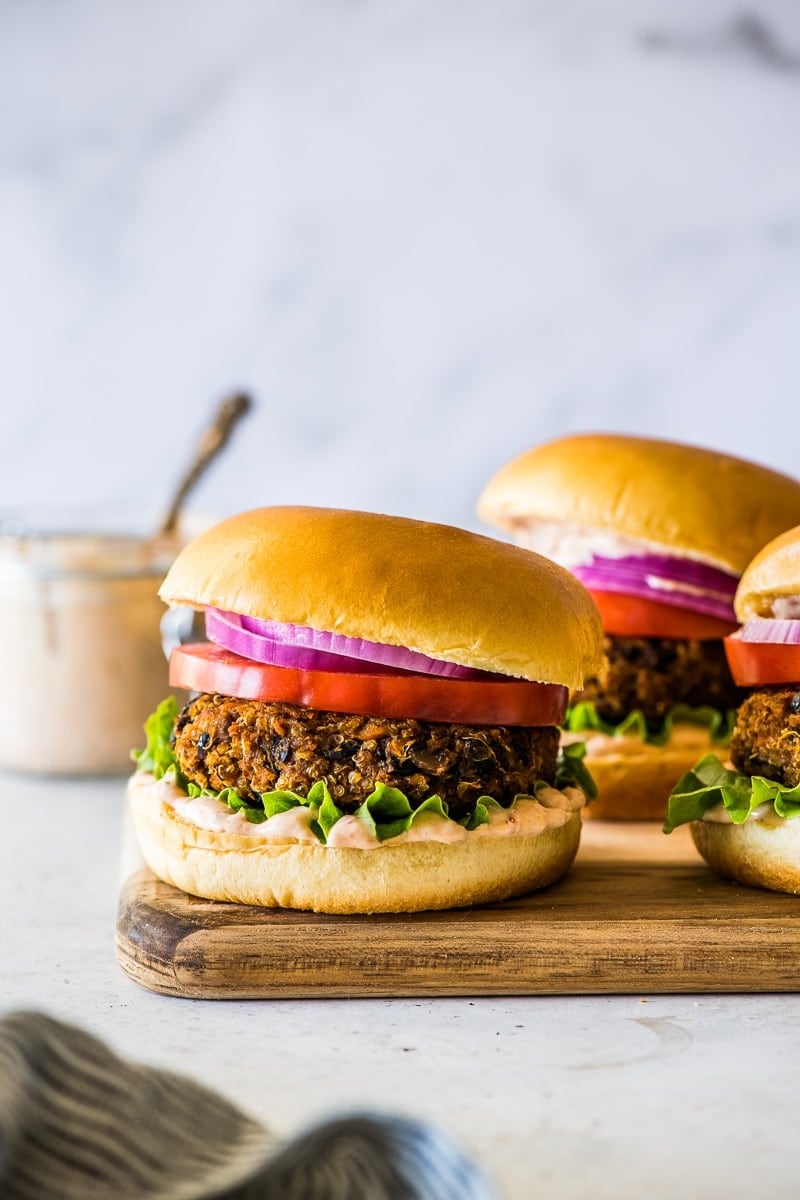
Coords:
80,647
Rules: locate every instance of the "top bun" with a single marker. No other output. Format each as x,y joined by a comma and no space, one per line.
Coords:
773,573
703,505
441,591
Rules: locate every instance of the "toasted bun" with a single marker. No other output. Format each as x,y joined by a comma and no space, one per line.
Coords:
707,506
758,853
442,591
773,573
390,878
634,779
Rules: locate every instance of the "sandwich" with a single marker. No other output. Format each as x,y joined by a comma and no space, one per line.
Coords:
742,814
373,720
659,532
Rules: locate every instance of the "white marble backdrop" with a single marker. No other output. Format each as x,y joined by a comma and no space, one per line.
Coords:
424,233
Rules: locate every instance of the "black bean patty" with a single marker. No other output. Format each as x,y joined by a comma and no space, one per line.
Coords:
652,674
766,738
257,747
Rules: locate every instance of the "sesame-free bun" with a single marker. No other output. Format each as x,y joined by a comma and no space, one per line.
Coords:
773,574
681,499
442,591
760,853
409,877
634,778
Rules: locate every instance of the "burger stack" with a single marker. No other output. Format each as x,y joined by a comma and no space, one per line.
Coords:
742,817
659,533
375,721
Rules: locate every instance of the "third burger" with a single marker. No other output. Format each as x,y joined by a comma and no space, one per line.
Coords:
743,818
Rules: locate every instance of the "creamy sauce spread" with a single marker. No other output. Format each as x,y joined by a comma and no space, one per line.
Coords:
551,809
573,545
351,834
576,545
786,608
765,813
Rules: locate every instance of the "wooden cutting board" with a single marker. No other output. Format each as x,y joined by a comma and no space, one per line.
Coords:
639,913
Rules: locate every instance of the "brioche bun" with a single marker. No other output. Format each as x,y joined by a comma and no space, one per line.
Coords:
634,778
773,573
679,499
759,853
438,590
402,877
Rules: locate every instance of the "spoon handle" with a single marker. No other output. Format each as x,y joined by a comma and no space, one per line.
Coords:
230,411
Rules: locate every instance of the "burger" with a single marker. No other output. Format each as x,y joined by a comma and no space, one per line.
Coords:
659,532
742,815
373,721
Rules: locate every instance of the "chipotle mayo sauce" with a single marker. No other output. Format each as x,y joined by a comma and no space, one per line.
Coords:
80,646
528,816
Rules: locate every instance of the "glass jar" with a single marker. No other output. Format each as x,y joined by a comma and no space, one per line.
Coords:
80,647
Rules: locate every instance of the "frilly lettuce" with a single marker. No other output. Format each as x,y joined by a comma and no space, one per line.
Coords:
571,770
583,717
158,756
387,811
710,783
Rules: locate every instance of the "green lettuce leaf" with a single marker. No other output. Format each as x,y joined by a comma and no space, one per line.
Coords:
158,756
710,783
329,813
387,811
571,771
583,717
480,814
237,803
280,801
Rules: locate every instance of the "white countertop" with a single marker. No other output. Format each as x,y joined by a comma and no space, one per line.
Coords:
570,1097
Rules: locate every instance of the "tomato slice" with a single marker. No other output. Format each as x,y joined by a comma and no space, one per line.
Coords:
204,667
633,616
754,664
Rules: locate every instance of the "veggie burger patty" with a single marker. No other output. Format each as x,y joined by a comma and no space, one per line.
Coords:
653,674
766,738
257,747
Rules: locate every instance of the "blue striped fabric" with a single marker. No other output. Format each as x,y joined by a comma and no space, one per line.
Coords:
79,1123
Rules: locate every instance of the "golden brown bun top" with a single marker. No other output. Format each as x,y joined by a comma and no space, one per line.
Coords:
699,503
435,589
774,572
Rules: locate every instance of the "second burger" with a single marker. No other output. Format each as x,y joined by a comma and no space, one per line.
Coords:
659,532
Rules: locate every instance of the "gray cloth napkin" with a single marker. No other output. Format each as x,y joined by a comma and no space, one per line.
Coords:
79,1123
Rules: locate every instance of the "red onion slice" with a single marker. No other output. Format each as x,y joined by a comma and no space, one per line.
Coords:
676,581
312,649
680,570
771,629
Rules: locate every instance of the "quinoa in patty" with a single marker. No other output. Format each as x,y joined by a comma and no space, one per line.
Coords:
257,747
766,739
653,674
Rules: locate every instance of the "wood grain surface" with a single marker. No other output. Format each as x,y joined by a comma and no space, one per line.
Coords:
639,913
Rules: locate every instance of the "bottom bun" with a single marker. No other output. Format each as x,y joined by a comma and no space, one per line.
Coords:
760,853
481,867
634,778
